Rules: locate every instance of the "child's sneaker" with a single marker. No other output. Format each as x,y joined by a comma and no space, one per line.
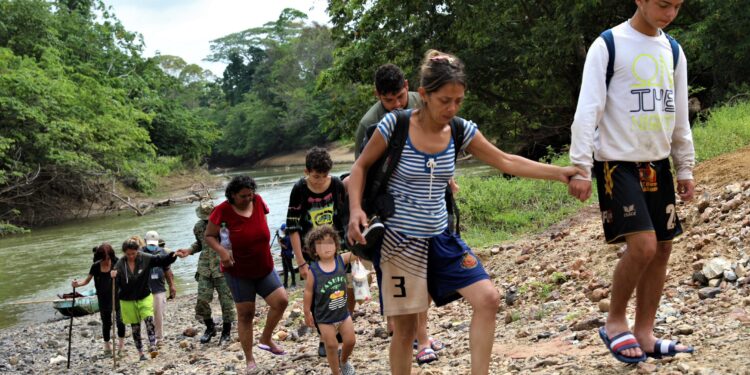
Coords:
347,368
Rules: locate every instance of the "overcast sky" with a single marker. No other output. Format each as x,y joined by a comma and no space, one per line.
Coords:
185,27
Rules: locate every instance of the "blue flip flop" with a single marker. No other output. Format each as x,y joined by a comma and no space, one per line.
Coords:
667,348
621,342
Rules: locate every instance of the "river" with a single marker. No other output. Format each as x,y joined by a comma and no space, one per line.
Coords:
39,265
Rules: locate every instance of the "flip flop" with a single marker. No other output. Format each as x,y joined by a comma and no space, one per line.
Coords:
277,351
426,355
621,342
667,348
436,344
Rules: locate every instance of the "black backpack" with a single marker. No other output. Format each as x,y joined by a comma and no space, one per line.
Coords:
609,41
376,200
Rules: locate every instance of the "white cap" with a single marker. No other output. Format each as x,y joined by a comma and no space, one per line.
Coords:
152,238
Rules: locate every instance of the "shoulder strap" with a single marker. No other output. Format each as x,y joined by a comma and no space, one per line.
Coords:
675,50
396,143
609,40
457,132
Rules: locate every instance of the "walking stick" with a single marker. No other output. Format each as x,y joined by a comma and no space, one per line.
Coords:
274,239
70,329
114,323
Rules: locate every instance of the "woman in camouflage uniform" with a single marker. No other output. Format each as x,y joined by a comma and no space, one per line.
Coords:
210,278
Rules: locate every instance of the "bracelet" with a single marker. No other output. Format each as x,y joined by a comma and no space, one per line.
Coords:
303,264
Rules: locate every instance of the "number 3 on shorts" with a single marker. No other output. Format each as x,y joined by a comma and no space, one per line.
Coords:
671,219
400,285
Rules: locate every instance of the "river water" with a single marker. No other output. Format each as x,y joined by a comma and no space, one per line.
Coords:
37,266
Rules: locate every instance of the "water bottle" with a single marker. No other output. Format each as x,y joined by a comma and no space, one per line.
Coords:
225,243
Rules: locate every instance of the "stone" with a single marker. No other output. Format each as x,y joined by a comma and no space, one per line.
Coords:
184,344
599,294
683,367
282,335
295,313
604,305
381,333
646,368
587,325
716,267
730,276
714,282
708,292
684,329
700,278
522,259
508,317
495,251
190,332
740,270
94,323
58,359
13,360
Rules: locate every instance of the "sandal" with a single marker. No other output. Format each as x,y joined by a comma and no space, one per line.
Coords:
426,355
667,348
435,344
621,342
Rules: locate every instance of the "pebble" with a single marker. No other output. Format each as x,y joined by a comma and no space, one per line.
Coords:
604,305
708,292
684,329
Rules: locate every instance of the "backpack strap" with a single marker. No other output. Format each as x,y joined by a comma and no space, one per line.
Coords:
675,50
457,132
384,167
609,40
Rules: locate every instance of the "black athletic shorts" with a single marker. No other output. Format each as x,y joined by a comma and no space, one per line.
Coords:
637,197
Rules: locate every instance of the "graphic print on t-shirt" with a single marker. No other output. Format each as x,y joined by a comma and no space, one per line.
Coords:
653,93
334,288
321,210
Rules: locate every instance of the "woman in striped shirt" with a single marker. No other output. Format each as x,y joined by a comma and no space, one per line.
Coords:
419,225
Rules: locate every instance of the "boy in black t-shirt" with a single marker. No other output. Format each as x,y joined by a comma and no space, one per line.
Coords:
316,199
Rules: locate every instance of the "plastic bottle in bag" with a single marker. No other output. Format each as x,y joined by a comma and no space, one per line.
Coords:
224,239
359,279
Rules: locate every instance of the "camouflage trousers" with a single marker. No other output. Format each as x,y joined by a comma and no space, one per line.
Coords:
206,287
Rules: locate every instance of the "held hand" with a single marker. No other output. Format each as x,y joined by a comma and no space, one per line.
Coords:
182,253
309,319
567,173
303,271
357,219
113,273
580,189
453,185
686,189
74,284
227,260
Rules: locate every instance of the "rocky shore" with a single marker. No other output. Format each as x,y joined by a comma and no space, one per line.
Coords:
555,287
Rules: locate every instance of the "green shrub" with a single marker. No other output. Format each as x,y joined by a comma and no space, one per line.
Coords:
495,208
726,129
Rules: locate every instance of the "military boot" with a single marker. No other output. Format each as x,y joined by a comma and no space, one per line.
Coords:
210,331
226,334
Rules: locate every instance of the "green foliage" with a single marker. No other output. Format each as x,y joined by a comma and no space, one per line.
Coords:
558,278
495,208
8,229
80,106
726,129
524,59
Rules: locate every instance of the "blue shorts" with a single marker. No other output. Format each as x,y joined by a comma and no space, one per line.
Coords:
451,265
244,290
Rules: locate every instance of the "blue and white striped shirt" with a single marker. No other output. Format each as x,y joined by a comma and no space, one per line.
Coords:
418,183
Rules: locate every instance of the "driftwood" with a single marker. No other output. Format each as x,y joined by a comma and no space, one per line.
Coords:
135,208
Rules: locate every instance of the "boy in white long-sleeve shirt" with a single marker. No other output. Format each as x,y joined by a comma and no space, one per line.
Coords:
626,130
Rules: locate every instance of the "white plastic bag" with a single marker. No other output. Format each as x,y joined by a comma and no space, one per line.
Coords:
359,279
